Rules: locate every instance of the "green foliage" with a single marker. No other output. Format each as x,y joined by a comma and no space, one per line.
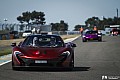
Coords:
20,19
77,27
38,17
5,52
31,18
95,21
91,22
62,26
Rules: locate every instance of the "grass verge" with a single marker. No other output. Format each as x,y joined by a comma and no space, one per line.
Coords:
5,52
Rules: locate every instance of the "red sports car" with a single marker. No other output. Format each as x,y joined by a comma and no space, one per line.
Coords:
43,50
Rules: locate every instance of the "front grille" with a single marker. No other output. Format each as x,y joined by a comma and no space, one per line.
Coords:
20,60
51,62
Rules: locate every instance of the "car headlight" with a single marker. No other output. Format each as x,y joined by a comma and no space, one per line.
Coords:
99,35
18,53
83,36
66,53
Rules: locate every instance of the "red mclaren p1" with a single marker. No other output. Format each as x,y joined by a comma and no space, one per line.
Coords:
43,50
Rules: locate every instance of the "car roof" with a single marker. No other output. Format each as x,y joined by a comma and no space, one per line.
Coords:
32,35
91,31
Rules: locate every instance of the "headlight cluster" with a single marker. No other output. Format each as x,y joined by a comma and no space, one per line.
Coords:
18,53
99,35
83,36
66,53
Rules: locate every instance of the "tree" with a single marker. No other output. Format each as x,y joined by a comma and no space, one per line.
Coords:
95,21
62,26
91,22
32,18
38,17
77,27
26,17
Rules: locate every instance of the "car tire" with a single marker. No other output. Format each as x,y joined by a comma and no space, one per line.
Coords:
71,65
84,40
100,39
14,68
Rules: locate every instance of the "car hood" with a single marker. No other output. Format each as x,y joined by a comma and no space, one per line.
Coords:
41,52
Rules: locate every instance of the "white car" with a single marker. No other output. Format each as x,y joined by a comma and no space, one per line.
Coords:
26,33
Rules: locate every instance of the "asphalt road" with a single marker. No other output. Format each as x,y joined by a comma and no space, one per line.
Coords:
93,60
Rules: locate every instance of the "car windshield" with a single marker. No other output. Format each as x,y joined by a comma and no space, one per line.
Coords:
43,41
91,32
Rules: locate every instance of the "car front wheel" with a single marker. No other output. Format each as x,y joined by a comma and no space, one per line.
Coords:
71,65
84,40
100,39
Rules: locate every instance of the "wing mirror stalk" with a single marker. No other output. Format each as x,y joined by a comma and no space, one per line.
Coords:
13,44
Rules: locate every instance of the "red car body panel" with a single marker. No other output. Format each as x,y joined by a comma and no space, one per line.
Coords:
53,55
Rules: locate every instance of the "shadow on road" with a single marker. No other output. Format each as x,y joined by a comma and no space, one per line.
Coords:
81,69
75,69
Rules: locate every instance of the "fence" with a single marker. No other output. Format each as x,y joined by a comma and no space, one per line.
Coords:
66,32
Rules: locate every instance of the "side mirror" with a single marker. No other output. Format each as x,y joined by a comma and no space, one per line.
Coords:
13,44
73,45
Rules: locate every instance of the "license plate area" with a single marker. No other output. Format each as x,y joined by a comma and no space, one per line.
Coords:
91,38
41,61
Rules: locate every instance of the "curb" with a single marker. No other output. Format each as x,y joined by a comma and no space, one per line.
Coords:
5,62
5,59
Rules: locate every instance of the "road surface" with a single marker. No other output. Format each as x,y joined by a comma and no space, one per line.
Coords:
93,61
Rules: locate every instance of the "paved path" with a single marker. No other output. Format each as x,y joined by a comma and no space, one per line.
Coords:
93,61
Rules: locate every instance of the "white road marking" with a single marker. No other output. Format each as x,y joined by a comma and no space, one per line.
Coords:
5,62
